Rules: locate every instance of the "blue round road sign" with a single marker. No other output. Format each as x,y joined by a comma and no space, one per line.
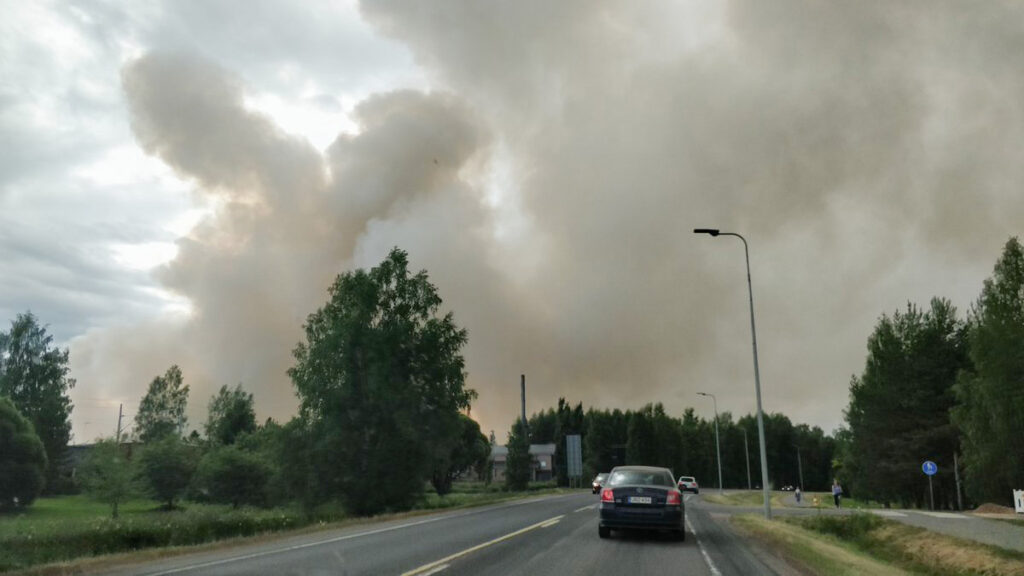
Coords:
929,467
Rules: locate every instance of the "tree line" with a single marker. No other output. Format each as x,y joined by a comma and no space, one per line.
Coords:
947,388
686,445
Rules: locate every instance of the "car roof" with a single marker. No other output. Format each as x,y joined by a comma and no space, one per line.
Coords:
641,469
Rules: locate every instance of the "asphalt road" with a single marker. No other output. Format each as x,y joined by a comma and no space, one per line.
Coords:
546,536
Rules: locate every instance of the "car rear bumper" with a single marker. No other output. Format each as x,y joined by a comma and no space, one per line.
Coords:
617,516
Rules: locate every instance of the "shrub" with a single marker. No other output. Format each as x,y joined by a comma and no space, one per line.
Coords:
233,476
167,466
22,458
108,475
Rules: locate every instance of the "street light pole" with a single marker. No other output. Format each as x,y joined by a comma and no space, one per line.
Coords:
757,371
718,450
746,450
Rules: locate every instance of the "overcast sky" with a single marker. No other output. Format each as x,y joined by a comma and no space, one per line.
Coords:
181,181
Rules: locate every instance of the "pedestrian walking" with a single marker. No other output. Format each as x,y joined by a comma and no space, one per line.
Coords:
837,491
797,494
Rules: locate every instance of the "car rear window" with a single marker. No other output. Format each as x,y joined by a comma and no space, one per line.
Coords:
639,478
687,479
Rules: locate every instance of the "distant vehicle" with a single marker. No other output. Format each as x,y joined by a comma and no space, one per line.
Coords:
641,497
598,482
688,484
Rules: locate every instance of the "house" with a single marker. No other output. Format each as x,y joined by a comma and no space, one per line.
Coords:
542,462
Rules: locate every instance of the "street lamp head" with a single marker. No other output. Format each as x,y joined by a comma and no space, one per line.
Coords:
711,231
702,393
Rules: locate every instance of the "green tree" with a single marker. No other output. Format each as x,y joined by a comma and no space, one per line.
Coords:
990,393
34,375
518,460
641,446
468,450
234,476
231,413
108,474
599,442
899,411
22,459
167,465
162,410
381,382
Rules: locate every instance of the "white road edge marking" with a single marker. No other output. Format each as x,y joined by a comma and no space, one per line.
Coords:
331,540
426,568
435,570
703,550
585,508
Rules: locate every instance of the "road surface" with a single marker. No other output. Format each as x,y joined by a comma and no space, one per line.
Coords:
541,536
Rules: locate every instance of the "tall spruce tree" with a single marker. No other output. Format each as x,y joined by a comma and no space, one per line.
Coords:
899,411
991,394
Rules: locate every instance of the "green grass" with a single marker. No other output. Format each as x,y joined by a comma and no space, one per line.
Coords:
912,548
817,553
71,527
740,498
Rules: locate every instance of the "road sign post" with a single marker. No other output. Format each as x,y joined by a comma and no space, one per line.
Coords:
574,459
929,468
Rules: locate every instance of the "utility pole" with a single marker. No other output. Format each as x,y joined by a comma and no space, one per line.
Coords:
120,413
522,390
799,467
746,449
956,475
117,443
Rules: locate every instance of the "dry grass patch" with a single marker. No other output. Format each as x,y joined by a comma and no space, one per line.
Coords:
953,554
915,548
815,552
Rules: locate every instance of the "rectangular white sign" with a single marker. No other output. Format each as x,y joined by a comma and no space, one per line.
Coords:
1018,501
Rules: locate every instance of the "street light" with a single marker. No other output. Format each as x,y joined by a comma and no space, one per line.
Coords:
757,371
718,450
746,450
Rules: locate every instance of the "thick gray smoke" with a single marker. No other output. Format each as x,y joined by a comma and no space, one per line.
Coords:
871,153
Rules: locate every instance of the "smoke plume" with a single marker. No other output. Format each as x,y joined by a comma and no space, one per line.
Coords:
870,152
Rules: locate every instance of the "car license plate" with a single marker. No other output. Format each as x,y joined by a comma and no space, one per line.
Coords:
639,499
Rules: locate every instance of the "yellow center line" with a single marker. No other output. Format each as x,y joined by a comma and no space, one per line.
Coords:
445,560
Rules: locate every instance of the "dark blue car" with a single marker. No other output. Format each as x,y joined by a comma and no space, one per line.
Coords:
642,497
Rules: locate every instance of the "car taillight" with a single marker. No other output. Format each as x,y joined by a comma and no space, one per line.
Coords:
607,495
674,498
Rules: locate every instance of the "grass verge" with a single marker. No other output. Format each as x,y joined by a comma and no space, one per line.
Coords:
784,500
740,498
912,548
67,529
816,553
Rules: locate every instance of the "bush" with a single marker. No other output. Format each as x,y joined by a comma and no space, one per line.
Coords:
108,475
37,545
22,459
232,476
167,466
